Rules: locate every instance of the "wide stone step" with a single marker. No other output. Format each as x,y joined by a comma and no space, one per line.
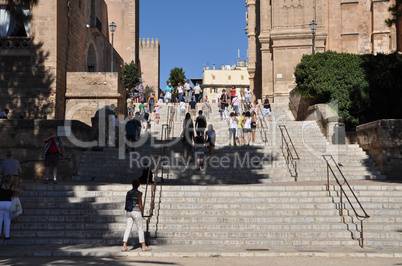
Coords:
182,241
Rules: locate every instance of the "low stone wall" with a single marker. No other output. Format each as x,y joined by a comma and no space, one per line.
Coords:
382,139
298,105
25,139
302,111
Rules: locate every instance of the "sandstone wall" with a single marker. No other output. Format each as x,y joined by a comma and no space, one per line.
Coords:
28,74
25,139
382,139
125,13
150,63
279,34
33,77
88,92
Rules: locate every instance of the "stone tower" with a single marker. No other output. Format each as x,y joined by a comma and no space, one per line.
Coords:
150,62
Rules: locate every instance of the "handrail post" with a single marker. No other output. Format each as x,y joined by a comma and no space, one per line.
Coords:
341,201
361,218
361,233
296,171
327,177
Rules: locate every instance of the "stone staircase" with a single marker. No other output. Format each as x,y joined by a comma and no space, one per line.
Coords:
269,165
256,216
214,206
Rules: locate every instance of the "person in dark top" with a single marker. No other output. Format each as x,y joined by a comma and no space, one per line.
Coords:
193,107
199,143
131,133
187,136
134,212
266,111
200,123
146,170
224,105
210,140
7,191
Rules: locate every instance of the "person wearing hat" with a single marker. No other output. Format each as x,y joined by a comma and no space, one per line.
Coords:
10,166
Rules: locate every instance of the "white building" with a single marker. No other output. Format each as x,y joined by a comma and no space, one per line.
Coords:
215,80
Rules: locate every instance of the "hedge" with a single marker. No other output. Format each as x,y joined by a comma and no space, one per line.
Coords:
366,87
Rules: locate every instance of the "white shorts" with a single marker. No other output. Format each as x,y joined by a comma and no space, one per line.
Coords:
266,112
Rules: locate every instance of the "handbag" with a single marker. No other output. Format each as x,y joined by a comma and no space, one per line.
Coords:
16,208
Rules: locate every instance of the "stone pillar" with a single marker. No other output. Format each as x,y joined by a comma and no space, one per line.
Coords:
267,83
252,41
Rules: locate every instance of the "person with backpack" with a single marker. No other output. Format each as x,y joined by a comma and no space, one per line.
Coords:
206,107
54,147
145,115
151,103
134,212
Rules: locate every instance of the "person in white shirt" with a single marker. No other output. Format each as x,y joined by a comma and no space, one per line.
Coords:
189,93
232,128
235,103
157,114
247,94
197,91
206,107
183,108
180,92
247,128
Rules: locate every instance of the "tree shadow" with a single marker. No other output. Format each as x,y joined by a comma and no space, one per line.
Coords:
26,81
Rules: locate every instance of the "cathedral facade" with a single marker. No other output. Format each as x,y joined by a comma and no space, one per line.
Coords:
279,33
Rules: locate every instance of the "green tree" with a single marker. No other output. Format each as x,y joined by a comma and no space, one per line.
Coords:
329,76
177,75
367,87
131,76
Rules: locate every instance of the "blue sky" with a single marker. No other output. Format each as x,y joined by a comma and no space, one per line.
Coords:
193,33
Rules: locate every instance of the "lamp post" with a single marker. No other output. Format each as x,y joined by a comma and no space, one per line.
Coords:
112,28
313,27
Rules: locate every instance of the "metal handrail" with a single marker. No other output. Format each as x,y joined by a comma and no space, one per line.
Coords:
170,119
290,152
153,192
361,218
243,103
263,128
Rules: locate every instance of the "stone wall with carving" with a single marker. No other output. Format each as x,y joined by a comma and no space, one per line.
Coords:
382,139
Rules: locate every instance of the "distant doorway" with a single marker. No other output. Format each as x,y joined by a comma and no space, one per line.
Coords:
91,59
